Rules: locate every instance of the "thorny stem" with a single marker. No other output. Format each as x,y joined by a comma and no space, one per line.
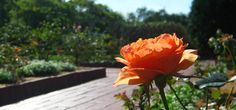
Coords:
177,97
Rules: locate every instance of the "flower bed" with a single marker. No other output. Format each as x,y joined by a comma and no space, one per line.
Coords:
39,85
104,64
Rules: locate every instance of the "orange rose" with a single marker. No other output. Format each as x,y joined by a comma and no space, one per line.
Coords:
148,58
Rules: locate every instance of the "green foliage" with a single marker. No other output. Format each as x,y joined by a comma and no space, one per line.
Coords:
38,68
224,48
3,12
162,16
34,12
53,40
78,28
10,57
15,34
44,68
67,13
61,66
217,76
61,58
206,17
6,76
145,30
188,95
49,38
96,17
214,80
91,47
147,16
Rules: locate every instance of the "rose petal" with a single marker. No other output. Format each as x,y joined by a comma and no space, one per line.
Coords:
127,77
188,58
130,81
145,73
191,51
121,60
132,76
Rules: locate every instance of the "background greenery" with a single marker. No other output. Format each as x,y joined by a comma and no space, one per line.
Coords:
47,37
49,22
80,31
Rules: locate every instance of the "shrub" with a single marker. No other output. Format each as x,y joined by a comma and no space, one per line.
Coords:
61,58
61,66
15,34
6,76
91,47
11,58
43,68
49,38
38,68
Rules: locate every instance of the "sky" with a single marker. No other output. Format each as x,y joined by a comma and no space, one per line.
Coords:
127,6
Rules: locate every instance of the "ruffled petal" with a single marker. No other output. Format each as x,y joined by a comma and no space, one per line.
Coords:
133,76
127,77
188,58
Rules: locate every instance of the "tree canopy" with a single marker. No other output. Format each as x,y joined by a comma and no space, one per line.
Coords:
207,16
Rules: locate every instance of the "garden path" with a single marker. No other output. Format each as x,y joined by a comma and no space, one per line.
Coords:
94,95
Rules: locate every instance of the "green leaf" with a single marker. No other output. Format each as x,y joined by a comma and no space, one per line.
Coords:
214,80
213,84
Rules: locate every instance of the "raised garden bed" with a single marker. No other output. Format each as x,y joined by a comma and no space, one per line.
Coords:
105,64
39,85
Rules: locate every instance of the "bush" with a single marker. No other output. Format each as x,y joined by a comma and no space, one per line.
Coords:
91,47
43,68
15,34
62,58
61,66
6,76
38,68
11,58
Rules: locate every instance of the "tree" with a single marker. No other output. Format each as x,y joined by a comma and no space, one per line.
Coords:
162,16
2,12
207,16
140,15
97,17
5,6
34,12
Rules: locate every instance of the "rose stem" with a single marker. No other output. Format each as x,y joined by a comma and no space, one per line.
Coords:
206,99
163,97
161,83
